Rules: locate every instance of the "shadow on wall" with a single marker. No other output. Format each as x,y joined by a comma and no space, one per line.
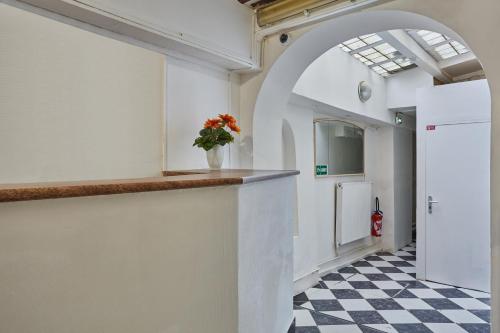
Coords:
290,163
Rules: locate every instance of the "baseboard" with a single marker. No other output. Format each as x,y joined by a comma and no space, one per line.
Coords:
302,284
309,280
348,258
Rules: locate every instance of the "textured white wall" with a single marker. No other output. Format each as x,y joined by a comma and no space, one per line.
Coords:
142,262
314,244
265,256
195,93
75,105
404,166
333,79
220,24
402,87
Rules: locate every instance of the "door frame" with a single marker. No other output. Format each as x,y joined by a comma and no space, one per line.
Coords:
422,219
424,197
443,105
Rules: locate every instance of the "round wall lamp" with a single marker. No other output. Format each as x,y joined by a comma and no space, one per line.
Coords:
364,91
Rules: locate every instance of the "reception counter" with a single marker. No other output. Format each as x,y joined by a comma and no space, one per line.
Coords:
169,180
192,251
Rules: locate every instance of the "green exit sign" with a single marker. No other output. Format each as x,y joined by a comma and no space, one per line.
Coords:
321,170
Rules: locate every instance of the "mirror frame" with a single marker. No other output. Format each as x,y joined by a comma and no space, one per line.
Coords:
323,120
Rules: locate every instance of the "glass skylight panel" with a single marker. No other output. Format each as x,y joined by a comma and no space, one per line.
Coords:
354,43
370,39
448,54
431,38
459,47
373,51
385,49
367,52
438,45
444,47
345,48
403,62
379,70
350,41
437,40
423,32
378,59
446,51
390,66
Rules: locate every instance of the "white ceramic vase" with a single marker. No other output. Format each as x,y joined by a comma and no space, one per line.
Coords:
215,157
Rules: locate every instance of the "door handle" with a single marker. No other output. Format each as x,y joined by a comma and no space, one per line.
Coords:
430,203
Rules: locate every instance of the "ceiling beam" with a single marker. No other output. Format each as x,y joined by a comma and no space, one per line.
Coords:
479,73
402,42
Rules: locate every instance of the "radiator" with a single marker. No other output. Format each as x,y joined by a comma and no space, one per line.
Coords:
353,211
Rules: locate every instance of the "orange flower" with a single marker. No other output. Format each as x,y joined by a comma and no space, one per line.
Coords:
234,127
227,118
212,123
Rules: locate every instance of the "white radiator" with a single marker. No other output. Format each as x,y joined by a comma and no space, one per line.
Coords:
353,211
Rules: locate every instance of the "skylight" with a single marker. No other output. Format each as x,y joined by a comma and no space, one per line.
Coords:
377,54
439,46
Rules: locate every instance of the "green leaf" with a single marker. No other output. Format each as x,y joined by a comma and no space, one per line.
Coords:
209,137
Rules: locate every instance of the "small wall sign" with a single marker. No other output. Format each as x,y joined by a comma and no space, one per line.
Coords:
431,127
321,170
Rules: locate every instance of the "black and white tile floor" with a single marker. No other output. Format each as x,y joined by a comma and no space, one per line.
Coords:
380,294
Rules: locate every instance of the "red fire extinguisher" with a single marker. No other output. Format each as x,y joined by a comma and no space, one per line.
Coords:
377,217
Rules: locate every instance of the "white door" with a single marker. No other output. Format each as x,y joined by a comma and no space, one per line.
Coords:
458,223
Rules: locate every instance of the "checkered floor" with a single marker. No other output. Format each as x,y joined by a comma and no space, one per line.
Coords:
380,294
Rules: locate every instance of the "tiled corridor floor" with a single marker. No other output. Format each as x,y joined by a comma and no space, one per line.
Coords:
380,294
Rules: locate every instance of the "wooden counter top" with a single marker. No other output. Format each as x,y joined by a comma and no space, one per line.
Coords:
172,180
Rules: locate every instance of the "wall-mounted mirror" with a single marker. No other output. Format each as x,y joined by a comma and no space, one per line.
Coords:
338,148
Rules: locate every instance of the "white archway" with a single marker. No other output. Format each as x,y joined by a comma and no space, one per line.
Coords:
276,88
272,100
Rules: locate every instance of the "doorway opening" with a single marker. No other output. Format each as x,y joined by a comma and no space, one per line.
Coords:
393,177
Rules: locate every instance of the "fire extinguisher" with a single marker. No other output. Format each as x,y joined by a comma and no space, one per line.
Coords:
377,217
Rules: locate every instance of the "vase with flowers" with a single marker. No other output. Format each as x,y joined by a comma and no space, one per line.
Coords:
216,133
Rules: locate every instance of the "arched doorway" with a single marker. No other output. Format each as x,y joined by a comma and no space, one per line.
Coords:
282,76
286,70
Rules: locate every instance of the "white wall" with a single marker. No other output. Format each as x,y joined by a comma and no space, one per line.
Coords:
305,243
265,256
463,102
385,184
333,79
324,202
75,105
314,246
402,87
454,103
195,93
404,166
222,24
328,89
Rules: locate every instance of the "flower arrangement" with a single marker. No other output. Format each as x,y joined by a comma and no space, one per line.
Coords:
214,132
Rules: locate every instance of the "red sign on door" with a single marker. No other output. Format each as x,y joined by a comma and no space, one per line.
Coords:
431,127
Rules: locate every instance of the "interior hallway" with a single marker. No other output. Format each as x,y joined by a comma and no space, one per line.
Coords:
380,294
